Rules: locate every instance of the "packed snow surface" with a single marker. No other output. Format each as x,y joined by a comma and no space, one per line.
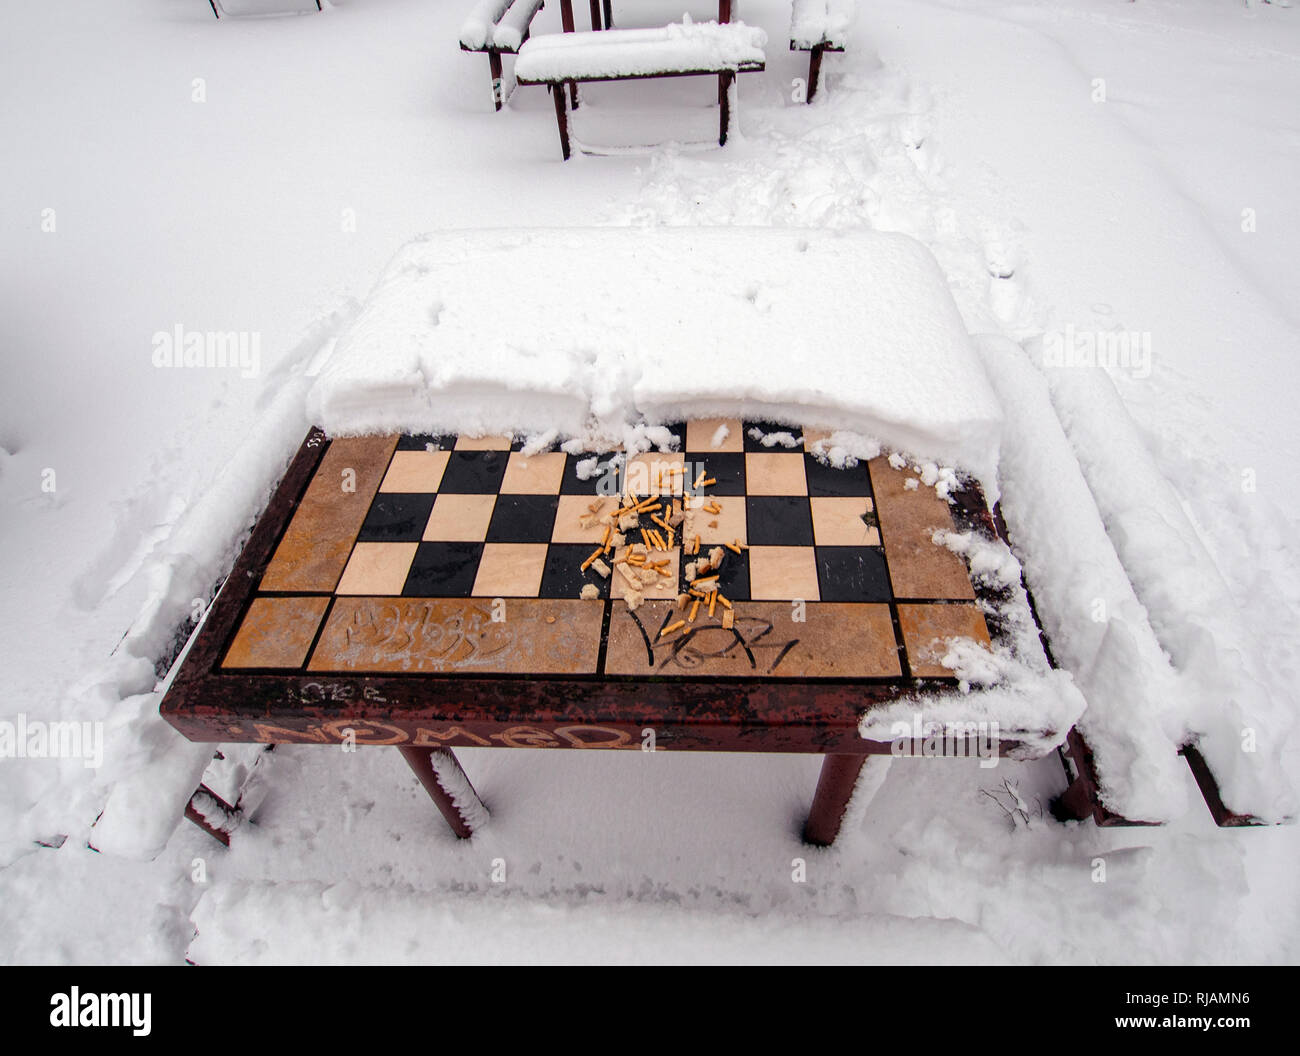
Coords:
589,331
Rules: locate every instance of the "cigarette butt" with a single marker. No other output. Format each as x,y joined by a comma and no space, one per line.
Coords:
646,504
695,607
713,507
738,546
705,482
672,627
676,471
695,546
671,538
595,554
635,559
660,521
732,547
704,583
728,619
712,599
697,593
723,599
604,543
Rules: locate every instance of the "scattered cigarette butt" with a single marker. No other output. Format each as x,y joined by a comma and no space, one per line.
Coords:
672,627
732,547
712,600
723,599
695,607
595,554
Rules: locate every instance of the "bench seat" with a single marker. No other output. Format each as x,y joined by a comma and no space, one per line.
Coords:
624,54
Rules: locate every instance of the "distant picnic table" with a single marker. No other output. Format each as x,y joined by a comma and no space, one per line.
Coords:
563,61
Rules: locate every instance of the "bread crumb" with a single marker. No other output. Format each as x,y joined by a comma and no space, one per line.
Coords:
589,592
600,568
728,618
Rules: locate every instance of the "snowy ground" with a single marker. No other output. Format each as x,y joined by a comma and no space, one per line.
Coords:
1160,201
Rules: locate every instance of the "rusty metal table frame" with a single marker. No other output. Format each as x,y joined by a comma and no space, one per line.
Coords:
426,715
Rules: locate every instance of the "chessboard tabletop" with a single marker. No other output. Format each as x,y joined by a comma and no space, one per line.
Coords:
737,555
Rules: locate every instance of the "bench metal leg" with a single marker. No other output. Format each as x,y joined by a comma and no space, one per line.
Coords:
498,85
814,70
561,118
609,13
839,777
724,105
215,12
595,14
440,773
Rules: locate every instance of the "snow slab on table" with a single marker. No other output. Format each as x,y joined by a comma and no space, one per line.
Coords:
586,333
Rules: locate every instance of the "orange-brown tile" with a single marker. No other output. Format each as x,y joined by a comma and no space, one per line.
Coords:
700,434
533,474
812,437
377,568
783,573
838,522
908,518
775,473
276,632
453,635
927,628
419,471
510,570
316,545
833,641
459,518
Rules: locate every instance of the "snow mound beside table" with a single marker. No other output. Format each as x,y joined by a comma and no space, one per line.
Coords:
584,333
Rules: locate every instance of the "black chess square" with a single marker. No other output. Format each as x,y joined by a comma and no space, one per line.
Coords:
727,468
396,517
442,570
563,577
474,472
425,442
778,520
605,481
852,573
755,443
523,519
825,481
733,576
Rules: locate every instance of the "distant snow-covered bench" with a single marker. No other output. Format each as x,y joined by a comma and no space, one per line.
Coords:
677,50
497,27
818,26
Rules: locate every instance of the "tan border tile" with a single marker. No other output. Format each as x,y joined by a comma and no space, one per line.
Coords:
925,628
415,471
835,641
699,435
377,568
783,573
458,636
775,473
533,474
510,570
459,518
838,522
276,632
319,538
908,518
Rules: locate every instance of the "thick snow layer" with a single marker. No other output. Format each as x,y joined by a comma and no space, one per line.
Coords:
1097,626
1227,706
479,25
514,24
589,331
678,47
821,22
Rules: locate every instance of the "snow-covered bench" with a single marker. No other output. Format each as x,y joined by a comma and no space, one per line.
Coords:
682,49
818,26
497,27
